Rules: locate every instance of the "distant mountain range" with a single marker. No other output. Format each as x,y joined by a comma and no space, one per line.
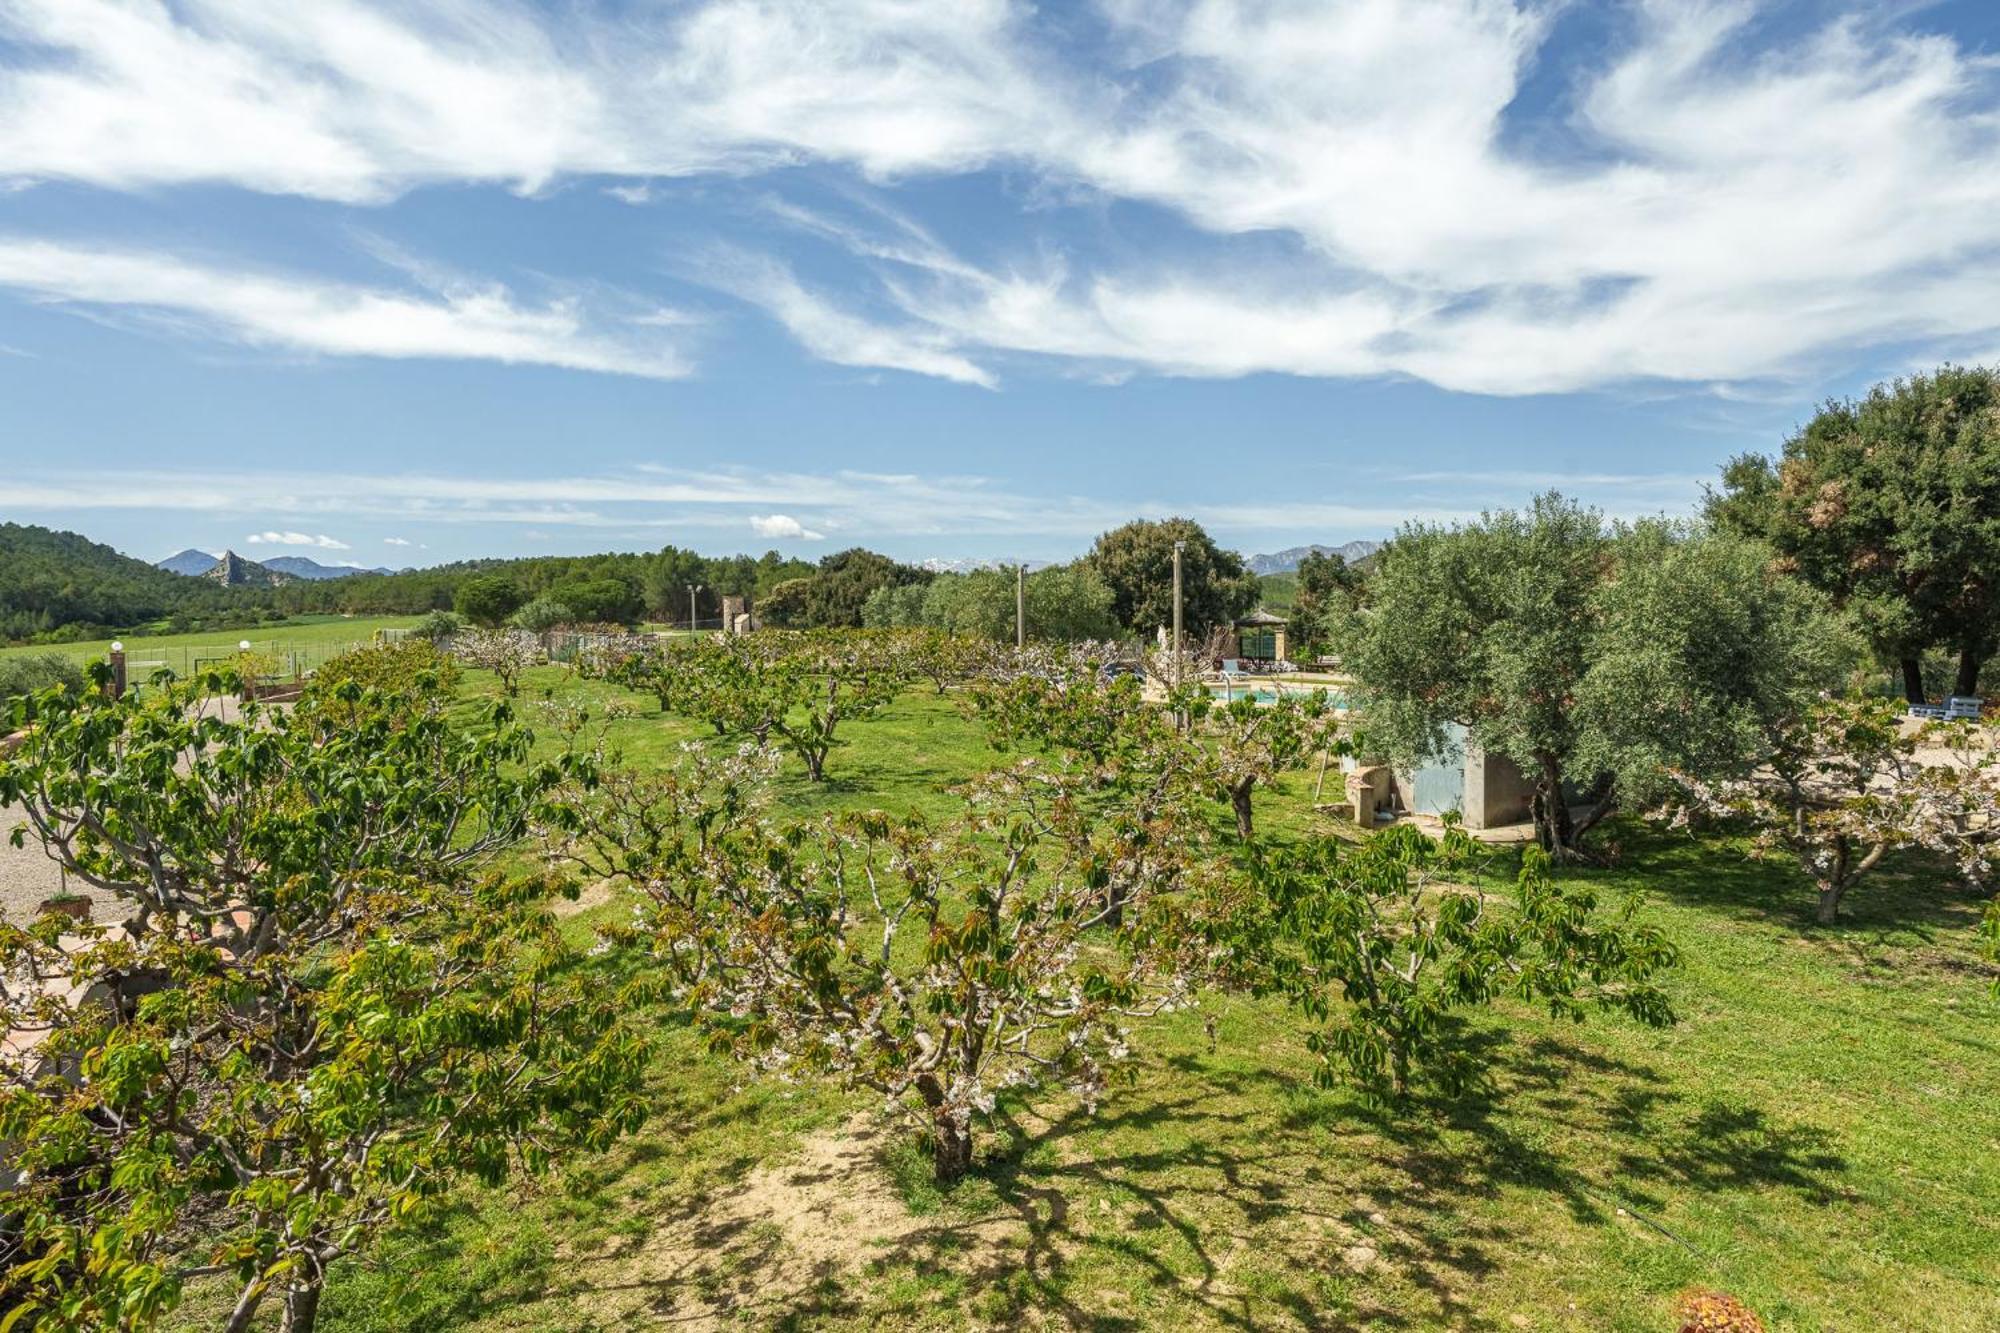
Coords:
1287,560
200,564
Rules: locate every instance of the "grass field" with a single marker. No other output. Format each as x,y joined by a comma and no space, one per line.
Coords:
305,641
1817,1137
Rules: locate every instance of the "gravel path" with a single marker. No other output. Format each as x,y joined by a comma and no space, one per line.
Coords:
27,875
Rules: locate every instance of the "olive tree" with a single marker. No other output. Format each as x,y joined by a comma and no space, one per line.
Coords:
1593,657
325,1005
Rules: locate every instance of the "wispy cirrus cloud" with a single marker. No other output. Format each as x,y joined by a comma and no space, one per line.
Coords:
1701,203
722,504
301,313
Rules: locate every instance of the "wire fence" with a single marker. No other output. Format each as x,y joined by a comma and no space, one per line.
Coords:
288,659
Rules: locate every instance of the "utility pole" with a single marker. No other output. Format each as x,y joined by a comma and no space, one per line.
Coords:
692,588
1021,605
1179,546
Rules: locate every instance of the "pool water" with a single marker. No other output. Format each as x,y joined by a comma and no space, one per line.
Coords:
1267,694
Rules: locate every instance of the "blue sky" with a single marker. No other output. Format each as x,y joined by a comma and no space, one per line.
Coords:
394,283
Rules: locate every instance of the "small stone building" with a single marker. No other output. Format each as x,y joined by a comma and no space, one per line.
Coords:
1487,790
1258,637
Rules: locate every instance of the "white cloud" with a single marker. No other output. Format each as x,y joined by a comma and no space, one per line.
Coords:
319,541
832,333
783,526
306,314
1364,188
397,541
861,506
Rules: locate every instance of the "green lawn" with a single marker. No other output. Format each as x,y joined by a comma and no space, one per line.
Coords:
1817,1137
305,641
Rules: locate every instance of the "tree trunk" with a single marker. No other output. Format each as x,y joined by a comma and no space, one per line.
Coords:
1552,824
302,1302
951,1143
245,1312
951,1152
1834,884
1913,680
1969,662
1239,800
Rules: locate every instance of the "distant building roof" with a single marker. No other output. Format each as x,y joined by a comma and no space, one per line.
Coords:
1261,617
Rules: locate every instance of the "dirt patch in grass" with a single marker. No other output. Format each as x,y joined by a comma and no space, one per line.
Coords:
786,1240
593,895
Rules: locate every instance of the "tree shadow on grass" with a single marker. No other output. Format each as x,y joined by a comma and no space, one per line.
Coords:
1221,1203
1210,1191
1912,896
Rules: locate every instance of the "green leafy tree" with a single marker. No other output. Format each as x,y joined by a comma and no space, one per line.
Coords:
487,601
1381,943
324,1008
785,604
1328,589
1595,659
1136,563
897,605
31,673
545,614
417,671
1701,658
438,626
611,601
835,593
1070,604
1487,626
1891,505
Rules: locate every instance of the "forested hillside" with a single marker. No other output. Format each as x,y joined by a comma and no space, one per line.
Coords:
56,585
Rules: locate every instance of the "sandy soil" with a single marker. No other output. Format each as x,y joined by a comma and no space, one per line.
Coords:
780,1240
27,875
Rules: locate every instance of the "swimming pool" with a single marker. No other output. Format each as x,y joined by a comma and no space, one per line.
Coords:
1227,691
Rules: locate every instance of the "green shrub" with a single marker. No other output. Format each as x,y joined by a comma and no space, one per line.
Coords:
412,666
34,672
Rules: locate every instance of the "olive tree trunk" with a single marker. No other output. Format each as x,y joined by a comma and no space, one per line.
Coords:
1970,659
1553,829
1913,680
